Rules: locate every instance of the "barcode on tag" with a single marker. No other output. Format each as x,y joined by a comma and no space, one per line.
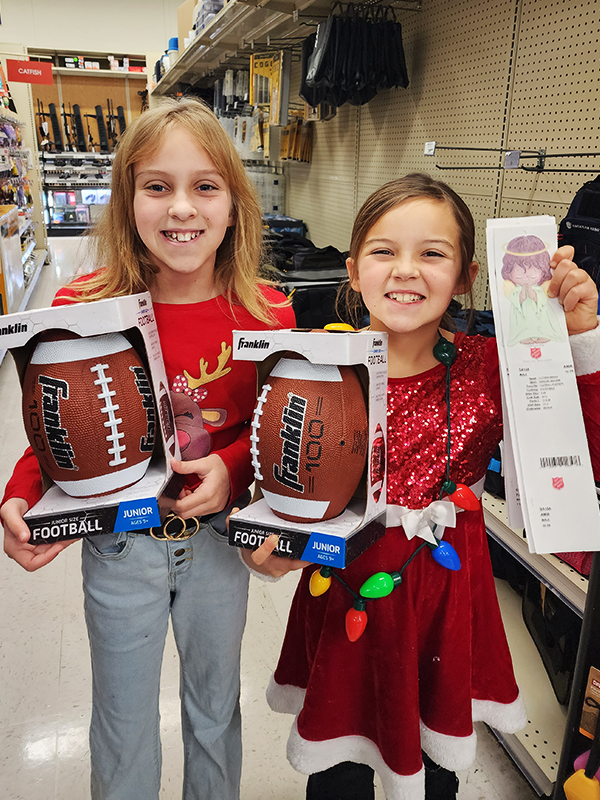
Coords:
560,461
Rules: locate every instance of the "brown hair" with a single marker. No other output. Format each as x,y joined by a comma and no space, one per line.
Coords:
411,187
526,252
116,242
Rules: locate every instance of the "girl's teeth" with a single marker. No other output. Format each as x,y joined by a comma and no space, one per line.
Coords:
181,236
405,298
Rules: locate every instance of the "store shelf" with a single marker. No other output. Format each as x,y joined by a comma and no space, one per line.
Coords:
25,227
67,230
78,184
8,116
28,251
536,749
100,73
68,155
560,578
236,30
40,258
87,193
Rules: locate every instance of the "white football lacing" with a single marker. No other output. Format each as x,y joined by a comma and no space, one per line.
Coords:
113,421
254,438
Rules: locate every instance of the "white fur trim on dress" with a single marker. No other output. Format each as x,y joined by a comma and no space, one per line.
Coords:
309,757
505,717
585,348
286,699
458,752
452,752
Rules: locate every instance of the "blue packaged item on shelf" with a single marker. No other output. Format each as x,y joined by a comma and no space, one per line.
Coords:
282,224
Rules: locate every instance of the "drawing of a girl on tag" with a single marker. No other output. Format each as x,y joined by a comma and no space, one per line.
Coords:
526,272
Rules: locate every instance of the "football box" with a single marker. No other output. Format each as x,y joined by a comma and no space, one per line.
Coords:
57,516
335,542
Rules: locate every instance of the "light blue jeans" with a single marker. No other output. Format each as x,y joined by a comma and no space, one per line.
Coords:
132,583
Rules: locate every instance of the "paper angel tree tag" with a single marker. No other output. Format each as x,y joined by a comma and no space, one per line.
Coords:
556,491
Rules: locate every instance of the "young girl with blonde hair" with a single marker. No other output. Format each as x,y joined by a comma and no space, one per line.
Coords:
184,223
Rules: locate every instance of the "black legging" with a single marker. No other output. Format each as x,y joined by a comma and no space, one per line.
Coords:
350,781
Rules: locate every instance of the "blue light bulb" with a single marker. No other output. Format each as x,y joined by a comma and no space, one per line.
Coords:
446,556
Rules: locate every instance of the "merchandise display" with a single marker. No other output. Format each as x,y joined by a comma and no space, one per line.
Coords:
119,389
80,390
78,123
584,784
76,189
334,67
309,439
318,423
20,260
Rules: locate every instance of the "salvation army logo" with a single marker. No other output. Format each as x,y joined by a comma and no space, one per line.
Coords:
558,483
536,352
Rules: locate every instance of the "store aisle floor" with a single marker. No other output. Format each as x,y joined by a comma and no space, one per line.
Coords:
45,670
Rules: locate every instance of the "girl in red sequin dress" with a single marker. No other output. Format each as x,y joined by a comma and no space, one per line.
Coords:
433,658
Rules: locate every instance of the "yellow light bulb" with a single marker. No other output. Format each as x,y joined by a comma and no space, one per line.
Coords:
339,327
318,584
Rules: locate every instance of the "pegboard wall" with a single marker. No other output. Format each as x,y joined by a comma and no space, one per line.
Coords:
516,74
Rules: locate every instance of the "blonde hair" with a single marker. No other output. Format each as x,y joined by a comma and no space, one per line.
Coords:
411,187
116,244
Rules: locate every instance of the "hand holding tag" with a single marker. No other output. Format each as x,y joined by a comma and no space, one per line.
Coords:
575,290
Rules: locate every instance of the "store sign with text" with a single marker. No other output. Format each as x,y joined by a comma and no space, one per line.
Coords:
29,71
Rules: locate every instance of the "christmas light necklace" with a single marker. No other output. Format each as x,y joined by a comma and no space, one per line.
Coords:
381,584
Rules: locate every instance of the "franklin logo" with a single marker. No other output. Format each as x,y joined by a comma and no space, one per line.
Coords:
143,387
18,327
52,390
255,344
291,433
377,342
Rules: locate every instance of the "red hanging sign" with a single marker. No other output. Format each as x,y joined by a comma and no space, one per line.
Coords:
29,71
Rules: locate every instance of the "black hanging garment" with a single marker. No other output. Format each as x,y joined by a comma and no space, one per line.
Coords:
353,55
581,228
312,95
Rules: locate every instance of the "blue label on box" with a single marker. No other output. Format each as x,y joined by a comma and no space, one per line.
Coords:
136,514
325,549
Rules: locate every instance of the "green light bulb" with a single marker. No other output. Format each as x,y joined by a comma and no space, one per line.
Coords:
380,585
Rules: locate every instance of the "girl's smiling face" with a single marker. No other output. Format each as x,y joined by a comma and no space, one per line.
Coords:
182,207
410,266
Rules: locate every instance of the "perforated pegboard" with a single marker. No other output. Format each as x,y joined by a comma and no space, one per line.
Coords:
554,101
516,74
458,57
322,193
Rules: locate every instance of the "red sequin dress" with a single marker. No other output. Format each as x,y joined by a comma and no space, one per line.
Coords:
433,658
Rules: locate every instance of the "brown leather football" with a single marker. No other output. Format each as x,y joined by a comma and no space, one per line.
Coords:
309,439
89,412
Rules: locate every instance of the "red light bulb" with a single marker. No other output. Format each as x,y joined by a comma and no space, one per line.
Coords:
464,498
356,620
